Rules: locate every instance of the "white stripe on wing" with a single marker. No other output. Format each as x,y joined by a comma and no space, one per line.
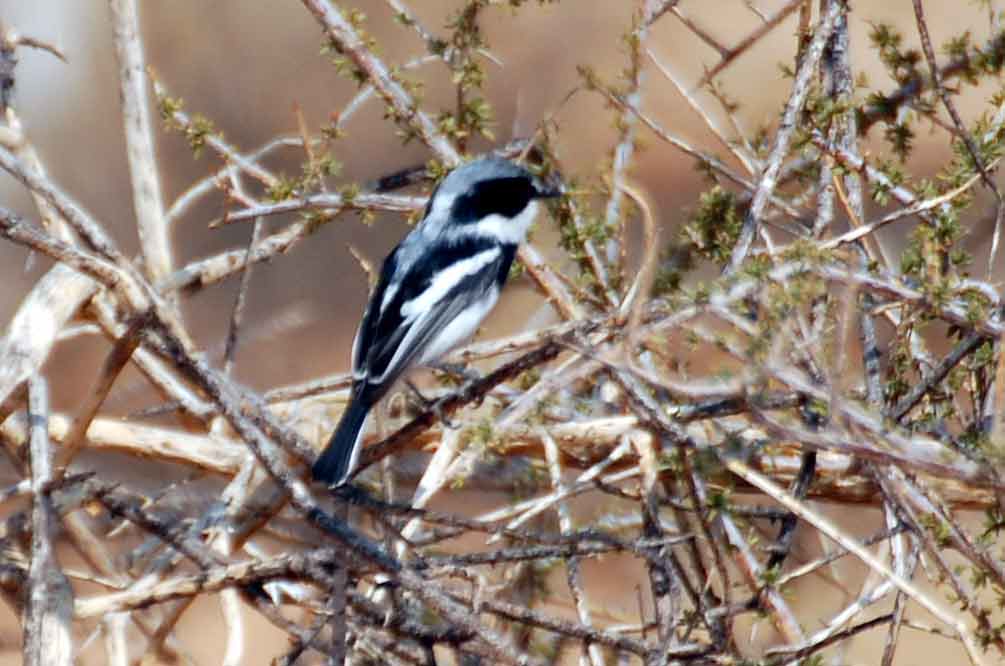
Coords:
445,281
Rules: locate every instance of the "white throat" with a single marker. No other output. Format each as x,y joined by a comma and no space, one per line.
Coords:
507,230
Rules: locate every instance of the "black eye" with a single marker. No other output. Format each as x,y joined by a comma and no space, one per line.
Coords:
501,196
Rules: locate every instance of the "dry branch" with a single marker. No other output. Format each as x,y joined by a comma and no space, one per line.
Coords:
148,203
783,135
48,637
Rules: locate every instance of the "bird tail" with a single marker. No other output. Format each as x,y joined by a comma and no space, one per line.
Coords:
339,457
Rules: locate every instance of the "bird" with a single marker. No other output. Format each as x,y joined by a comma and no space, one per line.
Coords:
434,289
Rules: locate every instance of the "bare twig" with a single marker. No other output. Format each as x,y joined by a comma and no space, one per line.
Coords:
707,159
237,314
923,598
32,332
48,640
783,136
767,26
114,363
148,203
341,30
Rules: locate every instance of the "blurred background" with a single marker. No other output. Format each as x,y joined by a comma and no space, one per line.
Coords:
248,65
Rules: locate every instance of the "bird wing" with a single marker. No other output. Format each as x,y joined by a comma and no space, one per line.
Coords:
413,304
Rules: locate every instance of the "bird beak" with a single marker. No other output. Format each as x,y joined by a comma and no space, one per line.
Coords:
547,191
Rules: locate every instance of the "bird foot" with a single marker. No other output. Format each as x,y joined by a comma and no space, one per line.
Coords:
434,406
457,370
351,494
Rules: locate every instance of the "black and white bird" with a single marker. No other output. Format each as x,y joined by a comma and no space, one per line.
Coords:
435,289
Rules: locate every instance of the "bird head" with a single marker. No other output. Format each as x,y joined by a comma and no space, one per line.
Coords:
490,195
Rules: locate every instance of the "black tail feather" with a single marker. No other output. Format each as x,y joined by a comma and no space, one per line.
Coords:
336,461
